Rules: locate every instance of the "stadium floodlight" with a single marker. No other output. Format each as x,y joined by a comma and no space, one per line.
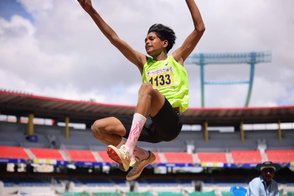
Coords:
251,58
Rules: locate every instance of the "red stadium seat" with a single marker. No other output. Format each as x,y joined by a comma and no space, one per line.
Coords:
246,156
80,155
280,156
105,158
178,157
47,153
13,152
158,159
212,157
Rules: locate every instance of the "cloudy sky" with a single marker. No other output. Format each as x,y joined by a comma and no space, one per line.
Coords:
53,48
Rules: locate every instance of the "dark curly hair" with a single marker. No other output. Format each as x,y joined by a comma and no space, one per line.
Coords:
164,33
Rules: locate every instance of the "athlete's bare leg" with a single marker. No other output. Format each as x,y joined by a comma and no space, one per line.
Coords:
150,100
108,130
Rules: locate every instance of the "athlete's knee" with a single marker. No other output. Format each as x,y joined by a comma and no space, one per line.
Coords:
106,127
146,89
97,128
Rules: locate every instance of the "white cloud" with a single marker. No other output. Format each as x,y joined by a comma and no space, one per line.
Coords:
62,53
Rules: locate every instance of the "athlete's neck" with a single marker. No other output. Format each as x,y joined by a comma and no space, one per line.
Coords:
160,57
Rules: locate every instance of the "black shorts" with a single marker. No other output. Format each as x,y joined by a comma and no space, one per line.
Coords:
165,126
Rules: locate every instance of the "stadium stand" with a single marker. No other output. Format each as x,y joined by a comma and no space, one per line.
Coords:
14,134
280,156
80,155
159,158
104,178
46,153
104,157
246,156
214,157
271,138
238,156
13,152
220,142
178,157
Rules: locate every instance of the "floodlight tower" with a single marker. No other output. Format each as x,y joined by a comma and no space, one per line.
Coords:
250,58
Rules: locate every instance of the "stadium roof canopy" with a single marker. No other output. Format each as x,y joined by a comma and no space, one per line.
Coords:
20,104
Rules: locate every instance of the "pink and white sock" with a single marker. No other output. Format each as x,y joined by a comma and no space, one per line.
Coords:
136,128
138,153
123,142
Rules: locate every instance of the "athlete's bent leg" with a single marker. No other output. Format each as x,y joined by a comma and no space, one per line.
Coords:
108,130
150,101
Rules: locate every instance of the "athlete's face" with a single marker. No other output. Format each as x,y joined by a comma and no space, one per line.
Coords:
154,45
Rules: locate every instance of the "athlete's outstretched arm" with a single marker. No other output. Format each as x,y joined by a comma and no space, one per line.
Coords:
132,55
182,53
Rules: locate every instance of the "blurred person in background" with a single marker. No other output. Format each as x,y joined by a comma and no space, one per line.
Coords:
264,185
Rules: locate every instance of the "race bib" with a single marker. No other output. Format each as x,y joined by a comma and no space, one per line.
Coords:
162,77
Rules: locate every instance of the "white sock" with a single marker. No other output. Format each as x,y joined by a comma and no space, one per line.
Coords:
136,128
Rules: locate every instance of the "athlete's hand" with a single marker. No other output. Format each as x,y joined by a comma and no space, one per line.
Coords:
86,4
